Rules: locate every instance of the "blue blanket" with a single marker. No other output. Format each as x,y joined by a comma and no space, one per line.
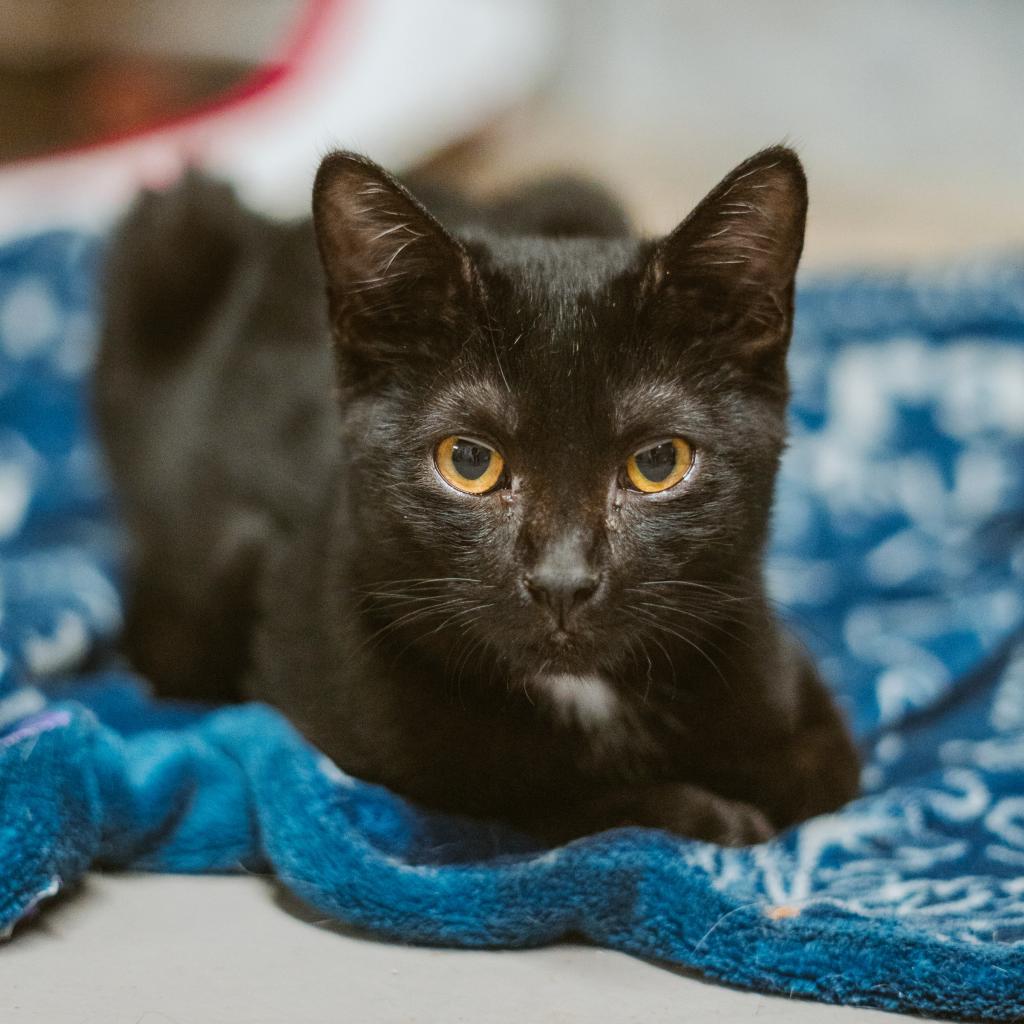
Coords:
898,555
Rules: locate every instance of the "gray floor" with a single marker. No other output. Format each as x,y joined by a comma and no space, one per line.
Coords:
140,949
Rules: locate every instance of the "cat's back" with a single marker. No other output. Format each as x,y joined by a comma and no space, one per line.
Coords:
212,397
214,351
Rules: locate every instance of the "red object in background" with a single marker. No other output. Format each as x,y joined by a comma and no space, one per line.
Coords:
389,77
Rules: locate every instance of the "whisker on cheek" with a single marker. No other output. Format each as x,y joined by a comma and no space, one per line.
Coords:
410,617
450,620
662,627
718,625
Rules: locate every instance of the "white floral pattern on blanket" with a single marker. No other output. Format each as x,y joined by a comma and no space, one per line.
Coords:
898,557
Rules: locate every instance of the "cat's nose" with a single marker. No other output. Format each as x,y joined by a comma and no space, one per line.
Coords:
562,582
562,592
564,576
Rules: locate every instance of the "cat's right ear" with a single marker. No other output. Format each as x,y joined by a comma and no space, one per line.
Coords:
728,271
395,277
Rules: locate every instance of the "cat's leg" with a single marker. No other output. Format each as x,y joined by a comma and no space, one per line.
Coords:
812,769
185,650
164,638
190,634
816,772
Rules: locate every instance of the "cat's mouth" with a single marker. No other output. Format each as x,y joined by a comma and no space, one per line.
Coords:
562,653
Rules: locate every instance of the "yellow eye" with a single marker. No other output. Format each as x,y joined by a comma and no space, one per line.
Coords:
469,465
659,467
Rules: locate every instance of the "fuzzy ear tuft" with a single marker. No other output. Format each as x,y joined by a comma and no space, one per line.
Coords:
391,267
733,260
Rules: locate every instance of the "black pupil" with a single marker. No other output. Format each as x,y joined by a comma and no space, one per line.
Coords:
470,459
656,463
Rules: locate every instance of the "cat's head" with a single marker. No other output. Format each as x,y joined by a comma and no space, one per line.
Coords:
561,452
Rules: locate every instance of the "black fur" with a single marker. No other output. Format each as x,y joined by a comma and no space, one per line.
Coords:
293,540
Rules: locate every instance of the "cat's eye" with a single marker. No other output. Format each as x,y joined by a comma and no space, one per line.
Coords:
660,466
469,465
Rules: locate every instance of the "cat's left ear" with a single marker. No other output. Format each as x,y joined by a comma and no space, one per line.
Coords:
728,270
395,276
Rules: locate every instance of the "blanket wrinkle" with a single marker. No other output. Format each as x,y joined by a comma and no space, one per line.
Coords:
898,555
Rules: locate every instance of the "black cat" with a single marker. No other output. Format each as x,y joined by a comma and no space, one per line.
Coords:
488,524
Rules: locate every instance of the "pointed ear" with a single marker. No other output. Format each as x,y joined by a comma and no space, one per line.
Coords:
729,268
394,275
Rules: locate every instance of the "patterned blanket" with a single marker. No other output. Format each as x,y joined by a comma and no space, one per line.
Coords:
898,555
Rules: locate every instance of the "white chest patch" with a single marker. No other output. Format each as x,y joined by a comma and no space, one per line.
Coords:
589,701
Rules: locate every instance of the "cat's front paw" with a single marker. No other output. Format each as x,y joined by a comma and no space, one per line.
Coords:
699,814
680,807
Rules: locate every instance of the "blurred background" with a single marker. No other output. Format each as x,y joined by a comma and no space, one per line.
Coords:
907,113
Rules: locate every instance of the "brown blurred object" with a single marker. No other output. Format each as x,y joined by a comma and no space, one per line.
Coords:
83,101
125,95
74,72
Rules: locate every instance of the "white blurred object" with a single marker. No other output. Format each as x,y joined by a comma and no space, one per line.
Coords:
396,79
